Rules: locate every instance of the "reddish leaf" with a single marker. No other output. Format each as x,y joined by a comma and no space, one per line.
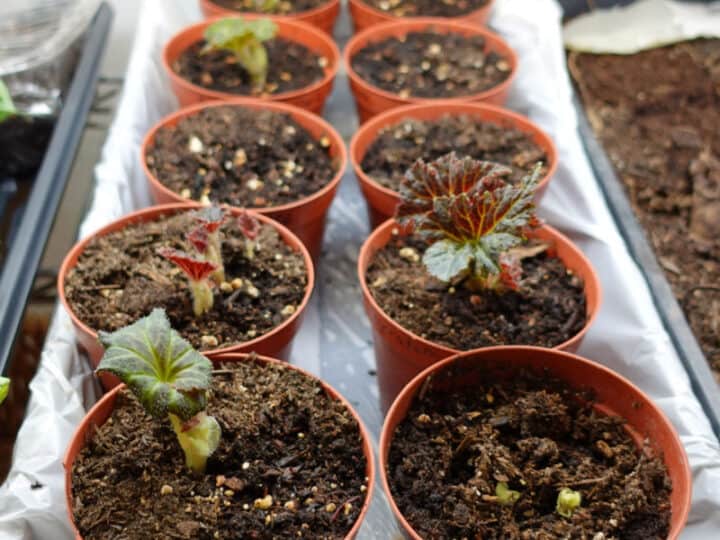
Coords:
210,217
198,237
195,269
249,224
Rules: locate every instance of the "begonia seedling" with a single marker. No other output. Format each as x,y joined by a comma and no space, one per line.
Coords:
505,495
472,219
244,38
250,228
568,501
4,388
169,378
197,272
209,220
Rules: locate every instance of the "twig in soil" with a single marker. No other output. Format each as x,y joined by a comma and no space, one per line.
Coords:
230,299
222,372
99,287
339,508
570,322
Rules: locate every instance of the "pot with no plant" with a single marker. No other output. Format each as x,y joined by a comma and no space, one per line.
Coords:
525,442
281,161
230,280
253,449
366,13
468,265
273,59
424,60
387,145
318,13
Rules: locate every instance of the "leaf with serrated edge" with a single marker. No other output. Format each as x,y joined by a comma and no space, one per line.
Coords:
161,368
446,260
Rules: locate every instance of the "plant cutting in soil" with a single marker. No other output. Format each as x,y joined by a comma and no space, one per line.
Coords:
524,458
397,147
660,127
468,276
275,7
281,458
426,8
168,263
246,58
430,64
241,157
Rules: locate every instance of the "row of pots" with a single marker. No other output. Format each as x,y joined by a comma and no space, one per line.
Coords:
614,396
324,16
370,99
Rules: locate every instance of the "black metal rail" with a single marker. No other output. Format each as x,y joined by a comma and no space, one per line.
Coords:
28,244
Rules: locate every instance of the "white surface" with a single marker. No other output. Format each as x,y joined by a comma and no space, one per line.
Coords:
642,25
334,342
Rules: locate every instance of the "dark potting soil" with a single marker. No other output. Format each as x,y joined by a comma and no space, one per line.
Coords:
291,66
397,147
241,157
282,437
538,436
547,311
427,8
431,65
657,114
282,7
120,278
23,141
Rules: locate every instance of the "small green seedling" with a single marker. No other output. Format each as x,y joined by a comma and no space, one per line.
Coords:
505,495
7,107
169,378
472,219
567,502
4,388
245,40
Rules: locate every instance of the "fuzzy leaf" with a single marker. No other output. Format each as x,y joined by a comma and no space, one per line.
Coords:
164,372
244,39
210,218
4,388
195,269
468,213
198,237
248,224
199,438
446,259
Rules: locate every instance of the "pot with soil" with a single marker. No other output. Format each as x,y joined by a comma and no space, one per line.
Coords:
423,60
318,13
248,448
388,144
469,267
283,162
366,13
237,282
526,442
274,59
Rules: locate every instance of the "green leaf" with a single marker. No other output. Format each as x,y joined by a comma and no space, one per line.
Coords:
4,388
244,39
446,259
7,107
568,501
166,374
505,495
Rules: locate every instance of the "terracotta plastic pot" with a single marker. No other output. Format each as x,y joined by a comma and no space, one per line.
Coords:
371,100
322,17
364,16
276,343
103,409
382,201
311,98
616,396
400,355
305,217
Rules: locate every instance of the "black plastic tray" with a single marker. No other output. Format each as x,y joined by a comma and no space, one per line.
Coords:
30,237
701,377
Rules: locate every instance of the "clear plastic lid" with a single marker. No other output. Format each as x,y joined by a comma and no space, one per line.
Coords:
34,32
